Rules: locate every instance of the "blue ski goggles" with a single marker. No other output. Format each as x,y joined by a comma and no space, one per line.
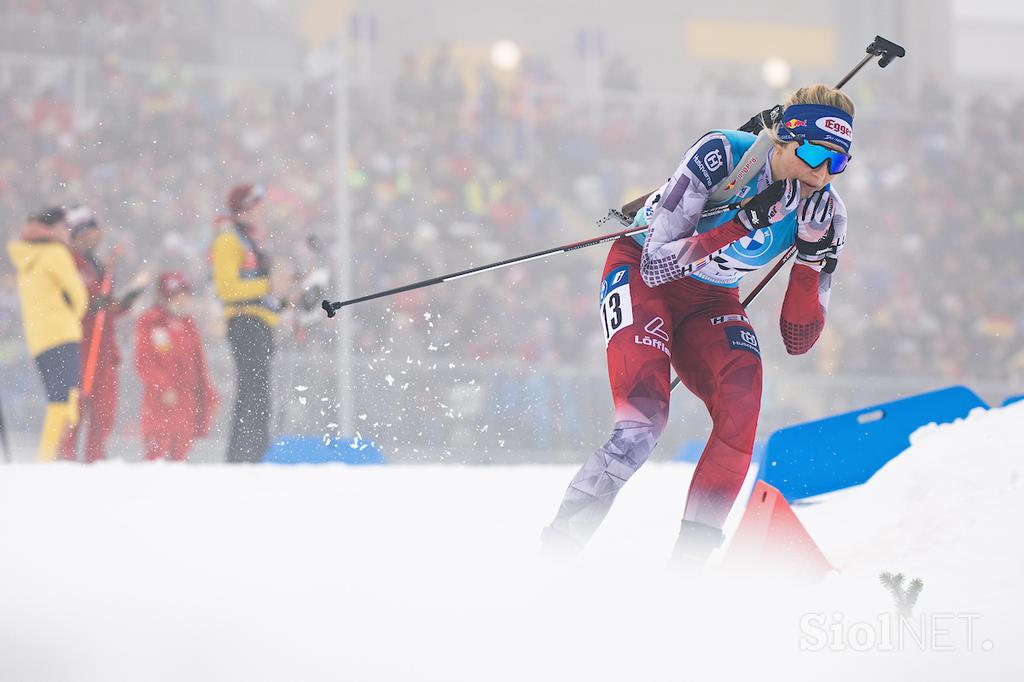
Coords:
814,154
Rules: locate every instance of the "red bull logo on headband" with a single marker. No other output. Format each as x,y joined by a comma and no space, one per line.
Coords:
795,123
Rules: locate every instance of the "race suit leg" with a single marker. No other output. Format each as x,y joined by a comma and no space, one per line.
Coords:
102,411
638,368
718,359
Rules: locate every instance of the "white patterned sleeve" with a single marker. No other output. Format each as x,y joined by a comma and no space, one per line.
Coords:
706,164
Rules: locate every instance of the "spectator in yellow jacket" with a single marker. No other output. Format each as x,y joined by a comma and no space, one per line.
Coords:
241,276
53,302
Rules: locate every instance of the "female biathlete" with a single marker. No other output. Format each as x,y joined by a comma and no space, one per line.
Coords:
671,297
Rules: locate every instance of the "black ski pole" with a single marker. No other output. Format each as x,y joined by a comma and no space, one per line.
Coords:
332,307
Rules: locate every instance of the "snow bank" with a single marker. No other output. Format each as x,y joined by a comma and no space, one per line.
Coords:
945,510
948,498
134,572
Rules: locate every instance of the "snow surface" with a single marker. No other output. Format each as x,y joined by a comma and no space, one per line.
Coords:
207,572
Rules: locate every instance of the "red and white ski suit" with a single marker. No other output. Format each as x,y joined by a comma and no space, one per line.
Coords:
674,304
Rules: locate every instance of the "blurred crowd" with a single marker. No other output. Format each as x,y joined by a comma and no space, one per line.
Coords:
156,28
452,165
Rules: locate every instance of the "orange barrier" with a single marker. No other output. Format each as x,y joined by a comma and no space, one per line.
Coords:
771,539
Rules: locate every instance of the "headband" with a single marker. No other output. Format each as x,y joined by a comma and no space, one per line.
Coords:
817,122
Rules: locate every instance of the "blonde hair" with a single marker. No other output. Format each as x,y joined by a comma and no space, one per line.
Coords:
815,94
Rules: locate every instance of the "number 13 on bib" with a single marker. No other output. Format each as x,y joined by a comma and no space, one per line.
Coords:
616,306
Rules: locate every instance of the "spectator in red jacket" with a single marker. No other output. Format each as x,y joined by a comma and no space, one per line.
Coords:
99,376
178,401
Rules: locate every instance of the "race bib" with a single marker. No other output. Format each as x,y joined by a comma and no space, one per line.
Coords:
616,305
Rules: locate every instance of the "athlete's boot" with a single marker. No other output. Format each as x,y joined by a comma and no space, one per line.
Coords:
695,544
558,545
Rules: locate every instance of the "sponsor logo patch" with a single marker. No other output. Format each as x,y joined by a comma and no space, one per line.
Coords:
722,319
708,163
741,338
743,171
746,167
836,126
713,160
656,327
653,343
757,244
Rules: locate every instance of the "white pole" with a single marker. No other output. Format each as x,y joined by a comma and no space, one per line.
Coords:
343,251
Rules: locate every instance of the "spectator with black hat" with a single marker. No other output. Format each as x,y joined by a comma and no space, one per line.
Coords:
241,275
53,301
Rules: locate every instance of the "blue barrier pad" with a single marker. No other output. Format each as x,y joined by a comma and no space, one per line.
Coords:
1013,399
312,450
838,452
691,450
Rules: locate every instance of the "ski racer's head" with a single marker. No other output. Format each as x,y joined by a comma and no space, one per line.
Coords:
813,139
